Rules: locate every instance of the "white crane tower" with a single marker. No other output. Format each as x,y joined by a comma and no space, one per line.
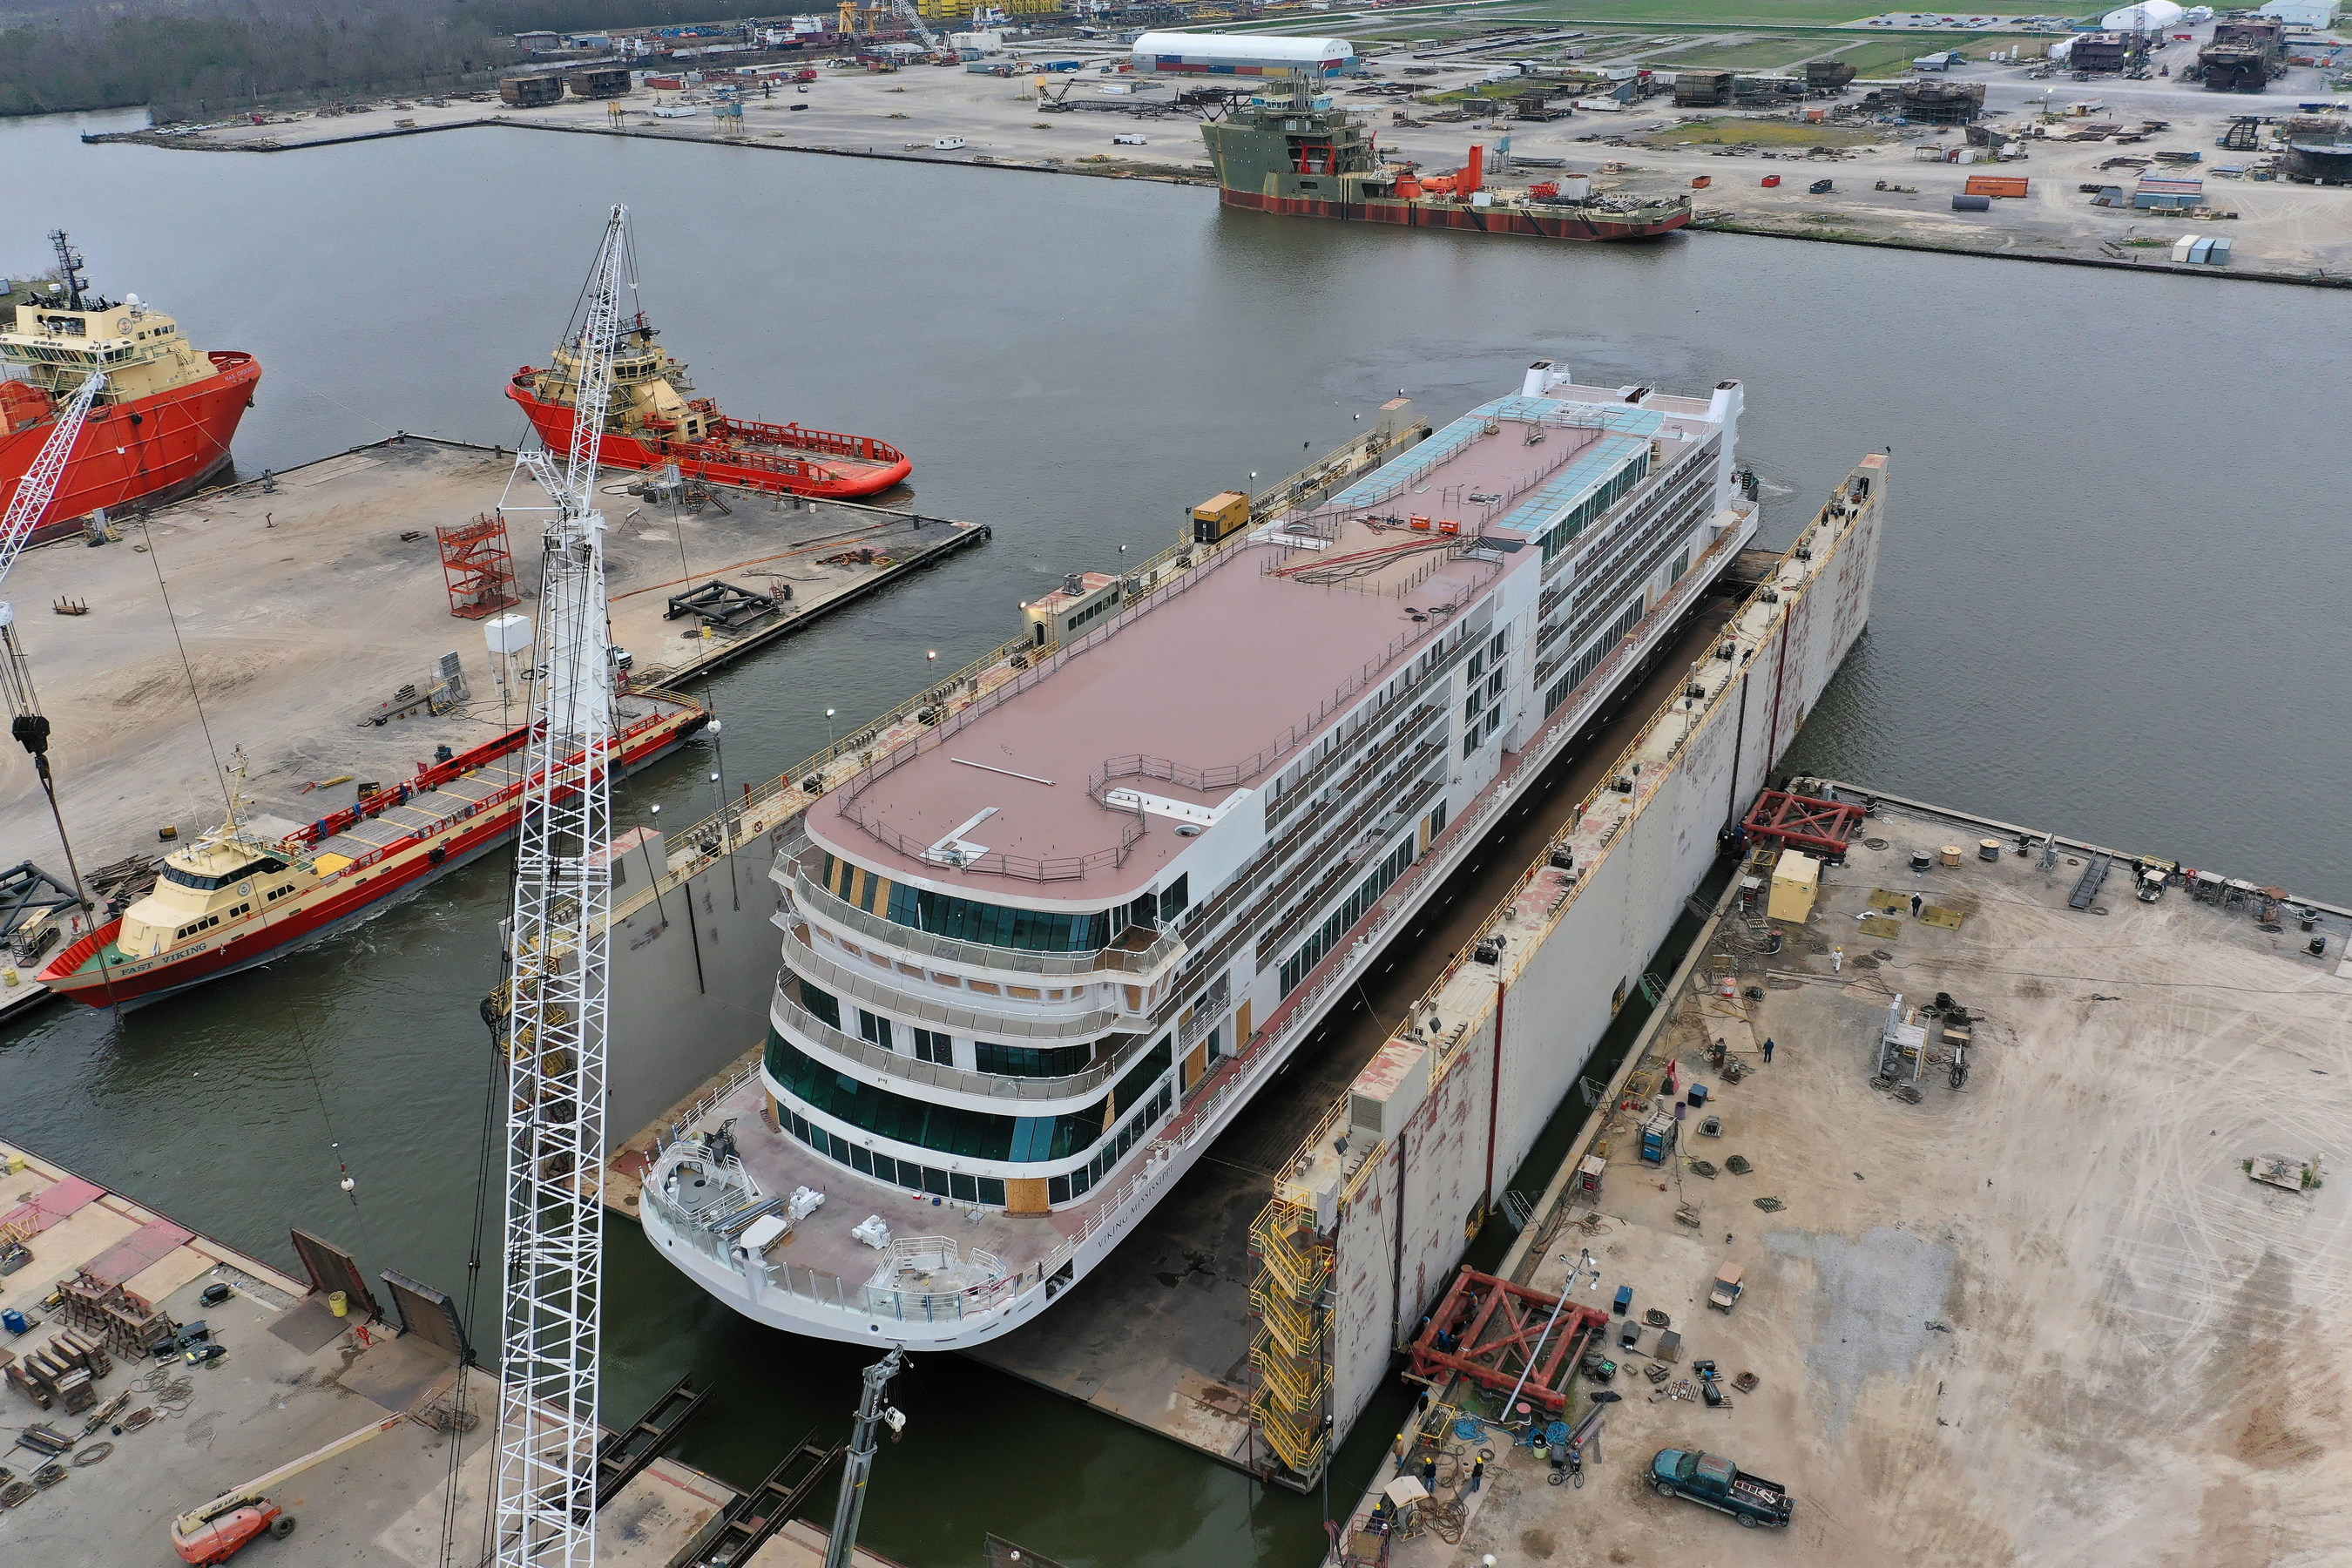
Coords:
34,492
546,1494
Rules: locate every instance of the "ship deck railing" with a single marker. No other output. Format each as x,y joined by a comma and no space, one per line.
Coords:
939,1075
1139,964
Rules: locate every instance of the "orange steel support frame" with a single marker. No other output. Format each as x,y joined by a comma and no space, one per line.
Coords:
1822,828
1497,1329
480,566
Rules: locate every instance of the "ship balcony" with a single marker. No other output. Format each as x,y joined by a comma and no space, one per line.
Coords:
1142,958
807,1030
884,994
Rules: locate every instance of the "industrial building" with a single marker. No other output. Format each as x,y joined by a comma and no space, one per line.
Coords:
1241,53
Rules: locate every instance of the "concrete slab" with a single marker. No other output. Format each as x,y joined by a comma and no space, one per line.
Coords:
2044,1317
282,1389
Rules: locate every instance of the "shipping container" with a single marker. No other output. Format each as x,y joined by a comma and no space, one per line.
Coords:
1969,204
1996,186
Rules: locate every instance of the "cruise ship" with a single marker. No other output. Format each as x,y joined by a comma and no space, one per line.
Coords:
1037,955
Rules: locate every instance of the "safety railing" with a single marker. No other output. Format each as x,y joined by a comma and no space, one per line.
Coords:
935,1075
805,960
1101,963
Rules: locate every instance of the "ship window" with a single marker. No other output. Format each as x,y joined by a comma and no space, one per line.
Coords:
1031,1061
935,1181
1057,1189
823,1003
1175,897
873,1029
1138,1078
951,1129
963,1188
930,1046
861,1161
1080,1180
997,925
886,1169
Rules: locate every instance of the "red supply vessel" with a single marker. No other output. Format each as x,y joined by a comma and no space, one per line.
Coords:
655,419
161,427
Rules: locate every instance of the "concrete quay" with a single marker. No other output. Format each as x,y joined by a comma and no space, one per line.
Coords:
2042,1315
294,1378
298,603
2282,232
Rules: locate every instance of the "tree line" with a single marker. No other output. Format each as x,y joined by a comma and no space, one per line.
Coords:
211,56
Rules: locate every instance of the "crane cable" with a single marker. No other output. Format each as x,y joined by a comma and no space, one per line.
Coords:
344,1180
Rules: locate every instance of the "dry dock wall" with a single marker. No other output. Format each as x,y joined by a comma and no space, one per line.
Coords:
692,971
1574,951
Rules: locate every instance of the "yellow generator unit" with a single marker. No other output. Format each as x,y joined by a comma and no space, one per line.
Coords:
1221,515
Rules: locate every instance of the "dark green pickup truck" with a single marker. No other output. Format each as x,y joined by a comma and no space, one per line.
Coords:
1719,1484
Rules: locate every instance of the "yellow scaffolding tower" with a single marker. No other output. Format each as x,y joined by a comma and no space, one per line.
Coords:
1294,1265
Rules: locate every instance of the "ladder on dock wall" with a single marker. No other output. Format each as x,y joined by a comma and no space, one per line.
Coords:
1293,1383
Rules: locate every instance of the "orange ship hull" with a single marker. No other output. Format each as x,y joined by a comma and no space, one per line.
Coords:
149,450
785,458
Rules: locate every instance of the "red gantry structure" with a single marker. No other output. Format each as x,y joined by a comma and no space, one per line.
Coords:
478,563
1492,1330
1786,821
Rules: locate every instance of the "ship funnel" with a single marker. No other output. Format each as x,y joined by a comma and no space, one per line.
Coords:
1538,376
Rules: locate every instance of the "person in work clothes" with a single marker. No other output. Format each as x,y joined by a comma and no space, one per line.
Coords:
1768,1048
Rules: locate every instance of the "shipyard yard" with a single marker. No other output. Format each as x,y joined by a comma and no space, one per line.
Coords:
1891,184
2043,1318
2027,1211
358,608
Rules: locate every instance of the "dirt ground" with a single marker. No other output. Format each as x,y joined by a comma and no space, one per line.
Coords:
2281,228
301,609
2044,1319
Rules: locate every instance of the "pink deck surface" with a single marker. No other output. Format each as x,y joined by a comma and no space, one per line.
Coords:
138,1251
1206,678
67,1198
822,1241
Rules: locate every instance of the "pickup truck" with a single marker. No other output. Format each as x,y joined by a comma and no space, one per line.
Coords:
1718,1483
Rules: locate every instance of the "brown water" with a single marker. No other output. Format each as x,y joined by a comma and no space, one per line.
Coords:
2111,601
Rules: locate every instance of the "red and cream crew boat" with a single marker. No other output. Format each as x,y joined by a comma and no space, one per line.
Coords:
163,424
257,885
655,419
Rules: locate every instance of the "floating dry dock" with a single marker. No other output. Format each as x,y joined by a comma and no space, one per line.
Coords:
1996,1200
1630,850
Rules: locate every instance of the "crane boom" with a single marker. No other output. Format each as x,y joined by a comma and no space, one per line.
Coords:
546,1492
38,488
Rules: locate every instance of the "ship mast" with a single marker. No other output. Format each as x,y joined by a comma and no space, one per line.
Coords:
70,266
546,1492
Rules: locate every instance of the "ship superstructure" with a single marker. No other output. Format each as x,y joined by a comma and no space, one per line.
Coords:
1288,150
161,425
654,418
1034,960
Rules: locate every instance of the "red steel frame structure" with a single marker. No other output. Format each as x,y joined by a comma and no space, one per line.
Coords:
480,565
1498,1329
1821,827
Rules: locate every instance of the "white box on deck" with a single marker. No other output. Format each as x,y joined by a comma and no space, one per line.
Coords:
1387,1092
